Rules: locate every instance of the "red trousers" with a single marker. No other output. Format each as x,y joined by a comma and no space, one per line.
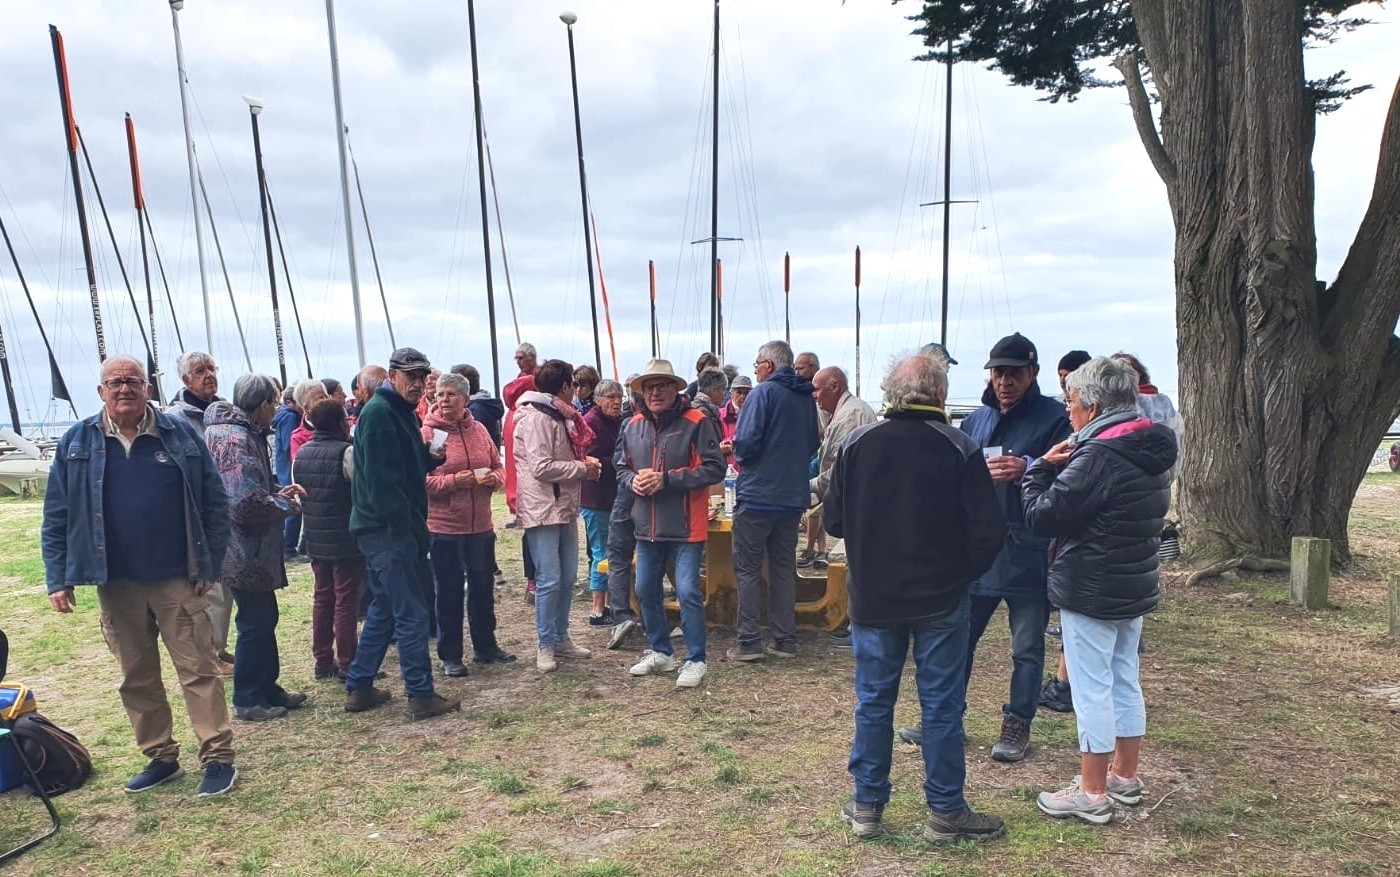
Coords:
335,608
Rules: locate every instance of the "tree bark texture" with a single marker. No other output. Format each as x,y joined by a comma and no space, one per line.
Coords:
1287,384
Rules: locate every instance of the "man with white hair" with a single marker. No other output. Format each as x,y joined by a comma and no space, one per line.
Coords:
136,507
919,531
845,414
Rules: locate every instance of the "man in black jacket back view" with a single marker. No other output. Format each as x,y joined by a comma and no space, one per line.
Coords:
916,505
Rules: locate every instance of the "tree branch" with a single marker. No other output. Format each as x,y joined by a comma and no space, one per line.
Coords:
1127,64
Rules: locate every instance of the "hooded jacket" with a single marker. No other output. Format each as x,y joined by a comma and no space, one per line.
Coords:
1104,510
511,394
682,443
461,509
239,448
284,423
547,472
192,408
774,441
389,490
488,411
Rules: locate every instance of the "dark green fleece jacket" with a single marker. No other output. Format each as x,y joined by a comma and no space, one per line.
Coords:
389,492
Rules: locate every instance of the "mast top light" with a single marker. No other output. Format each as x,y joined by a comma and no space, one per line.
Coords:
253,103
177,5
568,18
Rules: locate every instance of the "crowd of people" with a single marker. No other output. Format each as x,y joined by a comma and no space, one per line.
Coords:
187,518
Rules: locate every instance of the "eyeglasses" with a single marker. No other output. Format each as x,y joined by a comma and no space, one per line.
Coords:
758,362
124,384
659,388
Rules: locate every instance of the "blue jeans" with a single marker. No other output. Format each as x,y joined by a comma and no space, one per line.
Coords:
291,534
939,650
1028,613
256,664
398,610
595,528
555,551
652,558
1102,658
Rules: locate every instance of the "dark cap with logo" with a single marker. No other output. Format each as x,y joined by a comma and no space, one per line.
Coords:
406,359
933,348
1014,351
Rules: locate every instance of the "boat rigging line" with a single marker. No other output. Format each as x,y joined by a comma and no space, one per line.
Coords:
287,273
58,388
193,163
139,201
607,311
165,283
500,230
373,253
481,189
569,19
219,249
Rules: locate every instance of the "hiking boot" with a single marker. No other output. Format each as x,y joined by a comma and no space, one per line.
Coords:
1055,696
654,662
362,699
259,713
218,779
324,673
864,818
567,649
620,632
969,825
745,653
781,650
499,656
289,700
157,773
1015,739
913,735
1073,801
428,707
529,592
544,660
1126,792
692,672
453,669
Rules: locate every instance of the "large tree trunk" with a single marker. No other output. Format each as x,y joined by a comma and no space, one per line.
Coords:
1286,384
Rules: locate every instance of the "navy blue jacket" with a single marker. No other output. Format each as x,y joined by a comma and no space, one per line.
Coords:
1030,428
489,412
775,437
73,537
284,423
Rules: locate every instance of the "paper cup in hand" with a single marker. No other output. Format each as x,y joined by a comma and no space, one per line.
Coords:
481,475
439,440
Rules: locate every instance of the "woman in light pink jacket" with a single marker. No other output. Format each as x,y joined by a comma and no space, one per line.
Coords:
463,536
550,438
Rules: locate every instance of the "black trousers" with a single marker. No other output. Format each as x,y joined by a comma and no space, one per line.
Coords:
457,560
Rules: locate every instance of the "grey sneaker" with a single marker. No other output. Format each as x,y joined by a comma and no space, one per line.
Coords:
1071,801
620,632
745,653
455,669
913,735
784,650
864,818
654,662
969,825
1015,739
1126,792
259,713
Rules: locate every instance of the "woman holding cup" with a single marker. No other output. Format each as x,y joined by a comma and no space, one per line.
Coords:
459,521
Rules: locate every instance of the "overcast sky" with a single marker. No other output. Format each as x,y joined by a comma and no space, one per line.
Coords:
830,138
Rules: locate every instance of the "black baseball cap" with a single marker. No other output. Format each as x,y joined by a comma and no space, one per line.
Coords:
406,359
933,348
1015,350
1073,360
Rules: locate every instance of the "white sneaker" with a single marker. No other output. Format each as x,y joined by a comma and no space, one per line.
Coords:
654,662
691,674
567,649
544,661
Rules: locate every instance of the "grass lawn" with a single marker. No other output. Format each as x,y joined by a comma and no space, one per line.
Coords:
1273,748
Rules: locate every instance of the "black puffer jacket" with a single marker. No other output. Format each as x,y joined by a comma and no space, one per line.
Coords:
1104,510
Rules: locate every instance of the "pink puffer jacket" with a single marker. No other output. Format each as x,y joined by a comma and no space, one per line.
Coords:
548,474
453,509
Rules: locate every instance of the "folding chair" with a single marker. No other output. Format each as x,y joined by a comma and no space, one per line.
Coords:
7,738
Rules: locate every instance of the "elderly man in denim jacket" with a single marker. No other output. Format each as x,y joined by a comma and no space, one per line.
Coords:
135,507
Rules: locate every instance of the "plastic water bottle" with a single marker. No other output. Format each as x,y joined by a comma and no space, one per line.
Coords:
730,478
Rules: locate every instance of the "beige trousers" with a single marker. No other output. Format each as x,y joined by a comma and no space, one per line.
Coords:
220,613
135,615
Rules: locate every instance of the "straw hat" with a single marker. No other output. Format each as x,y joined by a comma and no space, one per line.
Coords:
659,368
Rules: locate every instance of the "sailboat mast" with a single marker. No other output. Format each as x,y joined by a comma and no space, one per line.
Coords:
369,236
655,333
787,297
716,332
164,281
175,7
9,384
857,322
255,108
139,199
569,18
481,187
287,274
500,231
223,266
70,134
345,183
947,191
58,389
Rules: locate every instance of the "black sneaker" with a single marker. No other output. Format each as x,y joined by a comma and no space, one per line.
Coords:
157,773
969,825
454,669
499,656
805,558
913,735
602,619
1015,740
1055,696
289,700
781,650
259,713
864,818
218,779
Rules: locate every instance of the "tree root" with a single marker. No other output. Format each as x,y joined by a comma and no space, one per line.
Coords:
1252,564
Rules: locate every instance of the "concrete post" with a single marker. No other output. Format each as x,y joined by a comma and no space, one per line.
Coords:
1311,571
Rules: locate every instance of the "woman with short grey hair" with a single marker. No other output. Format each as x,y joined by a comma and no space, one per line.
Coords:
1102,495
237,435
306,394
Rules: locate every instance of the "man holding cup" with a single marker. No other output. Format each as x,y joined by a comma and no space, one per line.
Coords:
388,518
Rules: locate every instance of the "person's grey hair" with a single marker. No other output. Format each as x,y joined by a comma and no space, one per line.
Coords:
192,360
303,390
816,360
711,379
731,371
454,381
916,380
777,351
528,349
1112,384
120,357
253,390
289,395
372,377
607,387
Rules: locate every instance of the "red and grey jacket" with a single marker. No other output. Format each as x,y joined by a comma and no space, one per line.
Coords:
683,444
